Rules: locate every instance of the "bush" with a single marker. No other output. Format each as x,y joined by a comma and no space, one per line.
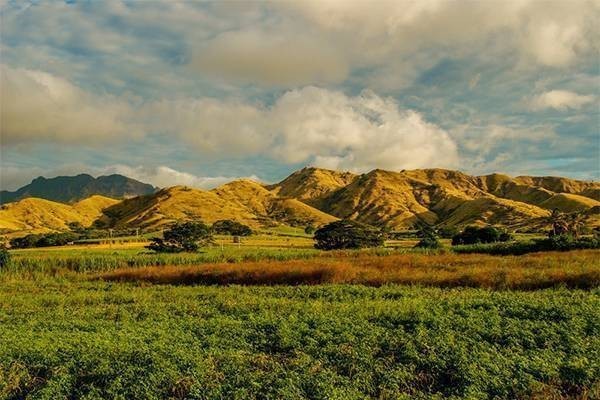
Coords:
229,227
555,243
448,232
309,230
429,239
186,236
347,234
44,240
486,234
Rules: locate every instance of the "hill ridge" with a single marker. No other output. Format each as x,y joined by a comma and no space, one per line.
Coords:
395,199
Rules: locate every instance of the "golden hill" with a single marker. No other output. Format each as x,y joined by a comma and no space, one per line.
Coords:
562,185
438,196
317,196
311,185
382,198
244,201
270,208
175,204
39,215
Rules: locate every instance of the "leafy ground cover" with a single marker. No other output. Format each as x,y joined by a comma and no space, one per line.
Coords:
90,339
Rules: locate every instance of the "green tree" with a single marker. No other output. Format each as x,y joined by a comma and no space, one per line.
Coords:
346,234
229,227
310,229
429,239
486,234
184,236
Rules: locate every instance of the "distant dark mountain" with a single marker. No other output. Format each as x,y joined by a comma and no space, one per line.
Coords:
68,189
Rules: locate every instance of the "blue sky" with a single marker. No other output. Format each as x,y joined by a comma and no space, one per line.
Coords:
199,93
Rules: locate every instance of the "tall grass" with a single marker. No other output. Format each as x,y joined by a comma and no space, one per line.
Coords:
86,261
574,270
60,261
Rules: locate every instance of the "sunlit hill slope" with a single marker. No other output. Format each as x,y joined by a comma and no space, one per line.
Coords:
398,200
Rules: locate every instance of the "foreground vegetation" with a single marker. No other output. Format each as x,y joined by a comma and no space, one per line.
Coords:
81,339
574,270
104,259
555,243
274,318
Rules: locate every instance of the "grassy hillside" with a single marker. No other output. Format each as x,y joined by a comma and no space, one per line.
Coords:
268,207
317,196
311,185
439,196
39,215
173,204
562,185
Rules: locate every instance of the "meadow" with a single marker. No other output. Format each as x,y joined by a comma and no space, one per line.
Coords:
101,340
535,271
286,321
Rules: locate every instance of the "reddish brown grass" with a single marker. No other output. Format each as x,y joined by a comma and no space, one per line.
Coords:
577,269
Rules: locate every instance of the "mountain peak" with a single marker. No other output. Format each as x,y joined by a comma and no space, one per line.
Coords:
69,189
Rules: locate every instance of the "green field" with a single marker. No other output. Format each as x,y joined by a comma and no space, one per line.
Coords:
65,334
64,339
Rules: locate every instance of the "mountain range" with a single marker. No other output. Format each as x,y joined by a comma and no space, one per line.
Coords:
397,200
68,189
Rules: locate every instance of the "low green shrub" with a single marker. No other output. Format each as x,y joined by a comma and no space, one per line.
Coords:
486,234
429,239
555,243
44,240
100,340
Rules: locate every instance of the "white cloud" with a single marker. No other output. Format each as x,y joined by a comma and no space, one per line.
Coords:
163,176
37,106
211,126
304,125
358,133
271,58
313,125
559,100
379,33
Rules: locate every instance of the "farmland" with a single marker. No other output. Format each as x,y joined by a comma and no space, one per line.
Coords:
273,318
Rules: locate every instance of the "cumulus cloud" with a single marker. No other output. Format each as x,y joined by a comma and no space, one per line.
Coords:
324,127
163,176
37,106
218,127
271,58
304,125
559,100
356,132
549,33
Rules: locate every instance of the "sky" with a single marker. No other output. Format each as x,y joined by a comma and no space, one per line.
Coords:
200,93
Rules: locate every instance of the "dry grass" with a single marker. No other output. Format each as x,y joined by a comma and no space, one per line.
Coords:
39,215
577,269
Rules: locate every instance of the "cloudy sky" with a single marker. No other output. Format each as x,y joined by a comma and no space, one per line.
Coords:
197,93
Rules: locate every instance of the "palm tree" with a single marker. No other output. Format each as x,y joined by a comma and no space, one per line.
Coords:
559,223
575,223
